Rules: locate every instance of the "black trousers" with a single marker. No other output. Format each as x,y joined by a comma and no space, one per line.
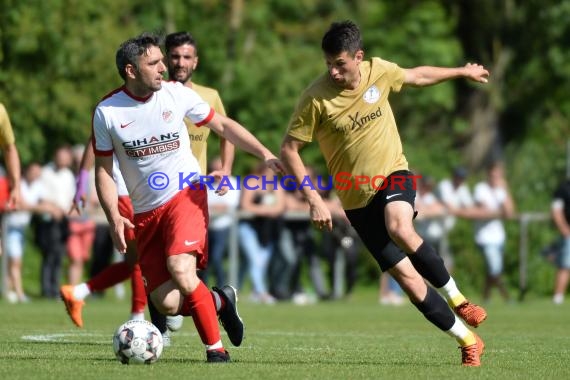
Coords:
51,237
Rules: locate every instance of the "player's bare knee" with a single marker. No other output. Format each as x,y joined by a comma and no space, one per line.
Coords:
186,281
399,232
164,305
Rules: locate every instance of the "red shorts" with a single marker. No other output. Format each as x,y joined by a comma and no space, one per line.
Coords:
178,226
126,211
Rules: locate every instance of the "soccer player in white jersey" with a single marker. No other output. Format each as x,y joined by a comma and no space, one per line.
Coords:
143,124
181,59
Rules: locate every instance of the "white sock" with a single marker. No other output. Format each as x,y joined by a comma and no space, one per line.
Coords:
214,346
137,316
81,291
217,301
461,333
451,293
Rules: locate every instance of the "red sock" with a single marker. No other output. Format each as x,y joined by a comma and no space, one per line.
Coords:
138,301
200,306
112,275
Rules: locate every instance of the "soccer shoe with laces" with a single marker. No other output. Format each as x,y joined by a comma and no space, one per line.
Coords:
215,356
471,355
229,316
472,314
72,305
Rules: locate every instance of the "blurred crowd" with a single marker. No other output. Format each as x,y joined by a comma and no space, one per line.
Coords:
281,256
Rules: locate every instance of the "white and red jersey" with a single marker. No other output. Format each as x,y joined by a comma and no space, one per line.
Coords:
119,180
150,140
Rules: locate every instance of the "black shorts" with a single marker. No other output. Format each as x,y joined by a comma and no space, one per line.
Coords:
369,221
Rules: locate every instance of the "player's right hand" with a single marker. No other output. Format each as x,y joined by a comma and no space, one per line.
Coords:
118,233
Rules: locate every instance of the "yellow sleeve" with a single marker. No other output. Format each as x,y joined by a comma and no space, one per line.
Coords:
6,132
218,106
304,120
394,73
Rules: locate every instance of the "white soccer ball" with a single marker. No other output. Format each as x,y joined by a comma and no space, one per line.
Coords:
137,342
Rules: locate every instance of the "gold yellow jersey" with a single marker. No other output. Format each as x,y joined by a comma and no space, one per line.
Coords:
199,136
355,129
6,132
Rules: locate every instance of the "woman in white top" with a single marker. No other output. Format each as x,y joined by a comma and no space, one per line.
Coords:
16,224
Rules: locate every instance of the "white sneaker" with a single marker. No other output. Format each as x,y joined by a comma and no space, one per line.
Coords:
174,322
558,299
12,297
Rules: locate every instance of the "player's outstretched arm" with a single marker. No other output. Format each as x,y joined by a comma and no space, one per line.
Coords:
429,75
12,161
243,139
320,213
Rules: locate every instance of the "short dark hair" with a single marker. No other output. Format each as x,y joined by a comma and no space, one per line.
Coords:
132,49
341,37
178,39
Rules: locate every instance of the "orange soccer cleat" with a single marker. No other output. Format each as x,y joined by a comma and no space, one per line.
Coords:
73,306
472,314
471,355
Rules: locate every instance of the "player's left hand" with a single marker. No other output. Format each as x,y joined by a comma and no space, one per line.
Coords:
218,176
276,165
476,73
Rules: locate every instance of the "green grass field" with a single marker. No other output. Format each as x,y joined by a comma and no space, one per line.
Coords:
351,339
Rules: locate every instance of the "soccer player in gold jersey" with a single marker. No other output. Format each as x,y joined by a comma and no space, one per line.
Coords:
347,111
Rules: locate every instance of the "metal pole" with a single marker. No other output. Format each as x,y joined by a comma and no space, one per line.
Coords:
523,255
233,253
4,253
568,159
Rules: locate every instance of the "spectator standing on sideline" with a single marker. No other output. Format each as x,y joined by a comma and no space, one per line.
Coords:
222,210
493,202
298,248
560,210
341,247
17,222
455,195
81,230
430,222
347,111
259,234
52,229
171,224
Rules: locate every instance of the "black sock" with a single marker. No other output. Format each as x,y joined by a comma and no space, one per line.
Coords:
157,319
430,265
436,310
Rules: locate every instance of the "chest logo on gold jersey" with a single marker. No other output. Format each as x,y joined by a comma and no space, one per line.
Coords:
371,95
